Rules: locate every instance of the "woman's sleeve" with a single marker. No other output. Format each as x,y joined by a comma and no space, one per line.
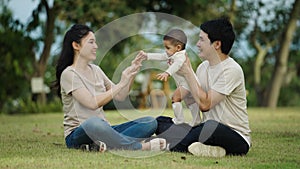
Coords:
70,81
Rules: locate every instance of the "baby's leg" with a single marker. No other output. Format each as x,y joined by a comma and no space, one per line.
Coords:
178,95
194,108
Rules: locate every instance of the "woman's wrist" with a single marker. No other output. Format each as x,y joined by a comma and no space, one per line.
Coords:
122,84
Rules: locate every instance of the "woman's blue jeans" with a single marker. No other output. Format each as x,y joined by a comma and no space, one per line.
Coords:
123,136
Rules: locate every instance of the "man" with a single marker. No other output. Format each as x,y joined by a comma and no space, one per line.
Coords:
219,89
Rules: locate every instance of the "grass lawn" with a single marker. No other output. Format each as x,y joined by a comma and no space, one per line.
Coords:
36,141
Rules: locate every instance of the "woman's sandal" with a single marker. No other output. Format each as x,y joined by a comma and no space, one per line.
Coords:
102,146
155,144
97,146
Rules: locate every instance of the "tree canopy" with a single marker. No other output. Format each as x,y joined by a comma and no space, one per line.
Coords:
267,44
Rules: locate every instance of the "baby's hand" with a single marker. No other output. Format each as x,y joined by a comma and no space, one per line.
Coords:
163,76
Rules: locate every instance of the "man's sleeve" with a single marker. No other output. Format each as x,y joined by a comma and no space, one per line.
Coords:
227,81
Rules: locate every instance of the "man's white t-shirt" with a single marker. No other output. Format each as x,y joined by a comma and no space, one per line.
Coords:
226,78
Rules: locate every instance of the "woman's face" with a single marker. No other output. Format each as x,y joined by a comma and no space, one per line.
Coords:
88,47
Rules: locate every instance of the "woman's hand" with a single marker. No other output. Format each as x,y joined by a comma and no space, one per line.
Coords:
129,73
140,57
133,69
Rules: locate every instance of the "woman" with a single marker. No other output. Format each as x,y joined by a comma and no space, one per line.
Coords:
85,89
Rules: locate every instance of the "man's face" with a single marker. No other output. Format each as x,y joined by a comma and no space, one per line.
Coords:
204,45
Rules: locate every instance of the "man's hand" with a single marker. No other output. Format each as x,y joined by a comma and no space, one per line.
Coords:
186,66
163,76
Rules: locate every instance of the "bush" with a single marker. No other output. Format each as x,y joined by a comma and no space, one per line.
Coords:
27,106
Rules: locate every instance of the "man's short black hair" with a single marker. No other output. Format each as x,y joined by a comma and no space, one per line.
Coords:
222,30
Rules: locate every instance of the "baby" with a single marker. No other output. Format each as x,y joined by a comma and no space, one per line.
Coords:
174,42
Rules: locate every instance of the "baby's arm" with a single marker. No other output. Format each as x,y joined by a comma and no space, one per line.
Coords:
157,56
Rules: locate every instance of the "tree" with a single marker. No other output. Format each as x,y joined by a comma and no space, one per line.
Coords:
282,56
263,36
97,14
47,37
266,25
17,57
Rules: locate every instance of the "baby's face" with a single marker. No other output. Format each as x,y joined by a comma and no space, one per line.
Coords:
171,48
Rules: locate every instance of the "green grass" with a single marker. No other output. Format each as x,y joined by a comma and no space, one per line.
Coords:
36,141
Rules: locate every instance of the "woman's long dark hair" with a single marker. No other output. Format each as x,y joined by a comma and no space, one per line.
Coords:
66,58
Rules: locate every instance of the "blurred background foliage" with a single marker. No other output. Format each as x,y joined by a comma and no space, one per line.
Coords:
267,45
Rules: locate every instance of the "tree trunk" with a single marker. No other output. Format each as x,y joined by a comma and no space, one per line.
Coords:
49,37
282,57
48,40
259,61
262,52
232,12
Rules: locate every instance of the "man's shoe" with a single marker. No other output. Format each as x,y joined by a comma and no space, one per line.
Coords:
200,149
